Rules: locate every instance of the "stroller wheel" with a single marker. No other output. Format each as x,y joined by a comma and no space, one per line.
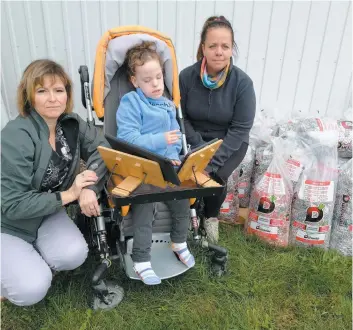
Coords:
107,296
217,270
218,266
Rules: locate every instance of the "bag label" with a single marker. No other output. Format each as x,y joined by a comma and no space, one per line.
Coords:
316,191
263,230
241,189
311,228
225,208
272,182
310,238
266,221
294,169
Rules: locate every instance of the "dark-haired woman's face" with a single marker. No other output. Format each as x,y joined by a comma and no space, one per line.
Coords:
218,49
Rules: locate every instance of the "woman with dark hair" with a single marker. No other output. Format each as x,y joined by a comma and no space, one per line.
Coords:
218,101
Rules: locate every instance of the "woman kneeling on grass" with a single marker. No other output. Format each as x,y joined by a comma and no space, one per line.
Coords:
218,101
40,162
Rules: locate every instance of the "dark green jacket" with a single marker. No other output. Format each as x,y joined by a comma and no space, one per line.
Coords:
25,155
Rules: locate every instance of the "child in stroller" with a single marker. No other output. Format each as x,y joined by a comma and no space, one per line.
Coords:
148,119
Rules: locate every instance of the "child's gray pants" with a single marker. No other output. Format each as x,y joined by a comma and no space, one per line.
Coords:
142,216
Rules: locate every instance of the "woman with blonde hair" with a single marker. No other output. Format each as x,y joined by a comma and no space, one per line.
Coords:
40,162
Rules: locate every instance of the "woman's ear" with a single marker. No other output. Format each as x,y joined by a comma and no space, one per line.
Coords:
134,82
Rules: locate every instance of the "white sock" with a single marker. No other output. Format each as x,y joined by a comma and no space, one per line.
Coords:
181,249
146,273
139,266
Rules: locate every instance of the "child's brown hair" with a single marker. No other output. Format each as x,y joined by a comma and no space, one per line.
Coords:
139,55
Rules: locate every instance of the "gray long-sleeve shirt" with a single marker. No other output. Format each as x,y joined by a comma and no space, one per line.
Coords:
226,113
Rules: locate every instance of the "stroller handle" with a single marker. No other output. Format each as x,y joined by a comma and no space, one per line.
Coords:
84,75
185,146
85,94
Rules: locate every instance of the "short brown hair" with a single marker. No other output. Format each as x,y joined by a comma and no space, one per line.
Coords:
214,22
139,55
33,76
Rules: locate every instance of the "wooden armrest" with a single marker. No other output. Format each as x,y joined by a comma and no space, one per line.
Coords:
127,186
203,180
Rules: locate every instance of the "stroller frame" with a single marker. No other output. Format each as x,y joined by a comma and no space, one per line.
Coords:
105,232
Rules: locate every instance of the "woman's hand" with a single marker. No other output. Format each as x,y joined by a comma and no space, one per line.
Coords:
88,203
82,180
172,136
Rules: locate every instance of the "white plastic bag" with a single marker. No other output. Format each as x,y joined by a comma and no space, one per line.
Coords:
245,172
295,151
345,138
270,201
229,211
314,196
263,159
341,237
305,125
263,128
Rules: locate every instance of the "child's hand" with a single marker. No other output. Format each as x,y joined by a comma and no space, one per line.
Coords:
172,136
176,162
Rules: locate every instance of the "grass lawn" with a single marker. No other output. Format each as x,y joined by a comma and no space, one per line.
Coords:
265,288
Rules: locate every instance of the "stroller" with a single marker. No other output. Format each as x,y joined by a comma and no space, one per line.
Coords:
111,234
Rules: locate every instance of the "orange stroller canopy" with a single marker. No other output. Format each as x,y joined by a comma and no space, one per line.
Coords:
100,63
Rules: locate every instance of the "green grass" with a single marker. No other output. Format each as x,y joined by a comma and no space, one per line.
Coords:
265,288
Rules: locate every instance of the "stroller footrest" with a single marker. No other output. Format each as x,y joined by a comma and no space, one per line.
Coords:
164,262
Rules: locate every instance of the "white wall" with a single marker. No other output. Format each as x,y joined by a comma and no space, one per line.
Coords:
298,53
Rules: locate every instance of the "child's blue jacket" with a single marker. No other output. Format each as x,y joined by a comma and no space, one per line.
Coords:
144,121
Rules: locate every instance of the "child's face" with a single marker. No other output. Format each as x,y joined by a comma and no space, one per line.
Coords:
149,77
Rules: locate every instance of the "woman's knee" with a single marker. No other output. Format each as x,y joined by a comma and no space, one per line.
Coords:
74,255
28,291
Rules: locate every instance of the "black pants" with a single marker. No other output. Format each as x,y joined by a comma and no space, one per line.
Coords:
214,203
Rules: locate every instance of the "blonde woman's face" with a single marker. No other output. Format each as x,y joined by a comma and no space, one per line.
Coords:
51,98
217,49
149,77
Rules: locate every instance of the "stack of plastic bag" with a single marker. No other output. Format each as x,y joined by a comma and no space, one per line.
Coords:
345,139
297,154
264,127
344,128
245,170
270,201
229,211
263,159
341,237
295,151
289,126
305,125
314,196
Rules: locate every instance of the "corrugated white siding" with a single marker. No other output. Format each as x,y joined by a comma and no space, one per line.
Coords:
299,54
